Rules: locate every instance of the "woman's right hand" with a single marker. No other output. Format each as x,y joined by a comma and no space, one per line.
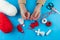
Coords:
24,13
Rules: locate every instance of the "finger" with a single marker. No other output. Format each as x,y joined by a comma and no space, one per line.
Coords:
31,18
36,13
36,18
28,15
23,16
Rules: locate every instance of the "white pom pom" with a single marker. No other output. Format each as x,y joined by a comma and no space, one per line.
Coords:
7,8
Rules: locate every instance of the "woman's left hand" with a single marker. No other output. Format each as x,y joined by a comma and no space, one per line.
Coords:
36,13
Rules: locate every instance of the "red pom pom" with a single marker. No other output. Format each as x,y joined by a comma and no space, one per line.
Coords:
36,23
5,24
48,24
33,25
19,27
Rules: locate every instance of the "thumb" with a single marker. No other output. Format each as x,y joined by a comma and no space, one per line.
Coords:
36,14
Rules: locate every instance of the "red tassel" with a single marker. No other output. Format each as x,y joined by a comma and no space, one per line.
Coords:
19,27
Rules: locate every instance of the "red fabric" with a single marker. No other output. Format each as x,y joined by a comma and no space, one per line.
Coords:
19,27
5,24
35,24
48,24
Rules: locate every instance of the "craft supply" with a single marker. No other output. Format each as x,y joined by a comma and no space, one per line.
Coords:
19,27
7,8
5,24
50,6
48,24
38,32
44,20
21,21
33,25
49,31
42,33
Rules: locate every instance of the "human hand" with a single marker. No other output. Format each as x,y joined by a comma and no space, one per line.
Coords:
24,13
36,13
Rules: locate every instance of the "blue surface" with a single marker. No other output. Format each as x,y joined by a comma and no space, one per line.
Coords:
29,34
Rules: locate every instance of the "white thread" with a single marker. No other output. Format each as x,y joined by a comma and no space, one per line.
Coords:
44,20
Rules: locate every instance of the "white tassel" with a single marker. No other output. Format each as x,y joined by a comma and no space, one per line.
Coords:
21,21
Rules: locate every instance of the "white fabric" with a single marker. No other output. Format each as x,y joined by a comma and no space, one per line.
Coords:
7,8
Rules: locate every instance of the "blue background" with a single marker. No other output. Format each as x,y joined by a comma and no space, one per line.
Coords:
29,34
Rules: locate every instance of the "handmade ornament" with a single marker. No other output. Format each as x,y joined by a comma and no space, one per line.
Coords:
19,27
42,33
5,24
33,25
7,8
50,6
49,31
21,21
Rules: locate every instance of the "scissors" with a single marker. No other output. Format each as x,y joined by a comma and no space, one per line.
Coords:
50,6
